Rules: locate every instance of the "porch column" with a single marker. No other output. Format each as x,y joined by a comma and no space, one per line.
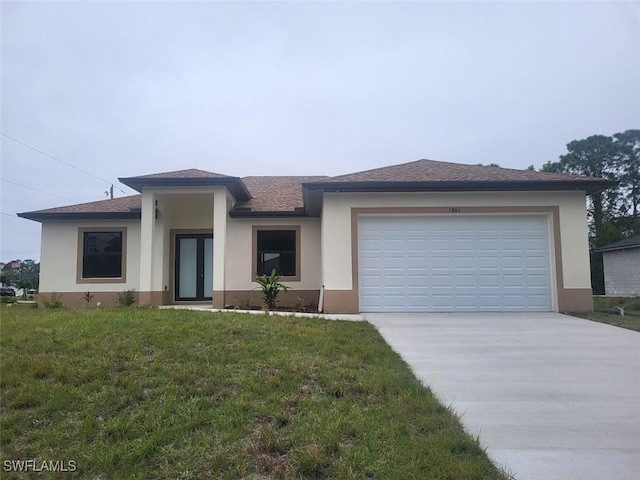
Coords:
158,258
147,241
220,211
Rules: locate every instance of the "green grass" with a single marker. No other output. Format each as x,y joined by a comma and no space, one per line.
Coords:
605,312
145,393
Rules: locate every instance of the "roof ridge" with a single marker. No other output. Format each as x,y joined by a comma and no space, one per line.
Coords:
285,176
173,173
436,168
385,167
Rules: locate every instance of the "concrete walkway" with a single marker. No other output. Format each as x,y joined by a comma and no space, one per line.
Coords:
550,396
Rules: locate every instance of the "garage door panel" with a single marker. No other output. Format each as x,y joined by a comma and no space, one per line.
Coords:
538,301
511,244
540,280
465,281
513,262
461,244
418,282
394,281
482,263
487,244
514,280
462,261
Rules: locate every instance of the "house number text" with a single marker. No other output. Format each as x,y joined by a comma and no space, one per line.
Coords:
454,210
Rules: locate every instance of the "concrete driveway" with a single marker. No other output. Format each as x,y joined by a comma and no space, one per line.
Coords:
550,396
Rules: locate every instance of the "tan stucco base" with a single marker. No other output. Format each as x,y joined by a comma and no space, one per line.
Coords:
220,299
151,298
77,299
575,300
335,301
569,300
233,298
340,301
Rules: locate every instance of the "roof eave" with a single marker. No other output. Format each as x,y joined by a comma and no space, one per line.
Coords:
268,214
588,186
612,249
39,217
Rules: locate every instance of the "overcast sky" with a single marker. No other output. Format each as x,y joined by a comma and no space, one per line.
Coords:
281,88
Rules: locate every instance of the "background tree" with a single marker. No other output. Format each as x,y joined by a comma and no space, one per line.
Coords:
613,213
595,156
24,284
628,144
28,269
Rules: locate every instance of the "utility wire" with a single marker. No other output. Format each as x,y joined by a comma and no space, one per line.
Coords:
58,160
9,214
36,190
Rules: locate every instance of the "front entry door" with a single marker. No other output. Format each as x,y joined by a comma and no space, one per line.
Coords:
194,266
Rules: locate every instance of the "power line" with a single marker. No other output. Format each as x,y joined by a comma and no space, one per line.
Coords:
36,190
9,214
58,160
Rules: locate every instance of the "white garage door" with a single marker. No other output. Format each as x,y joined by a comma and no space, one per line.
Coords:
453,263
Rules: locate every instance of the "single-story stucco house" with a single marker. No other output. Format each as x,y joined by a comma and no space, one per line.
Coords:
622,267
419,236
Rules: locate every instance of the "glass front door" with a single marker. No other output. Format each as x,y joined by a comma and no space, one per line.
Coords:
194,267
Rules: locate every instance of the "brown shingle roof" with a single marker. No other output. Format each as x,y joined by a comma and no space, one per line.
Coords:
433,171
117,207
285,194
275,194
189,173
189,178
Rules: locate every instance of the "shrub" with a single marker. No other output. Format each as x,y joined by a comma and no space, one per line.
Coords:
53,301
245,304
127,298
298,305
271,287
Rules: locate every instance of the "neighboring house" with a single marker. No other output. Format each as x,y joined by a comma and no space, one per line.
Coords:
622,267
420,236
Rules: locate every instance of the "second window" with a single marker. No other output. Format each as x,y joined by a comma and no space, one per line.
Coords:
276,250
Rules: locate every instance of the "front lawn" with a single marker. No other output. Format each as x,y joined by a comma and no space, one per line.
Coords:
605,311
145,393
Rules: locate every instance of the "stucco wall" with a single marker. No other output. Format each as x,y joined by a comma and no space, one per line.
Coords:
622,272
59,256
336,238
187,211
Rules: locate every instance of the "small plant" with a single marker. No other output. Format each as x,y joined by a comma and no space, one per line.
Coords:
127,298
245,304
87,297
298,305
53,301
271,287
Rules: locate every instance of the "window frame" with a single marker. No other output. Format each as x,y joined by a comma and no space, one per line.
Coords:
254,250
80,259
